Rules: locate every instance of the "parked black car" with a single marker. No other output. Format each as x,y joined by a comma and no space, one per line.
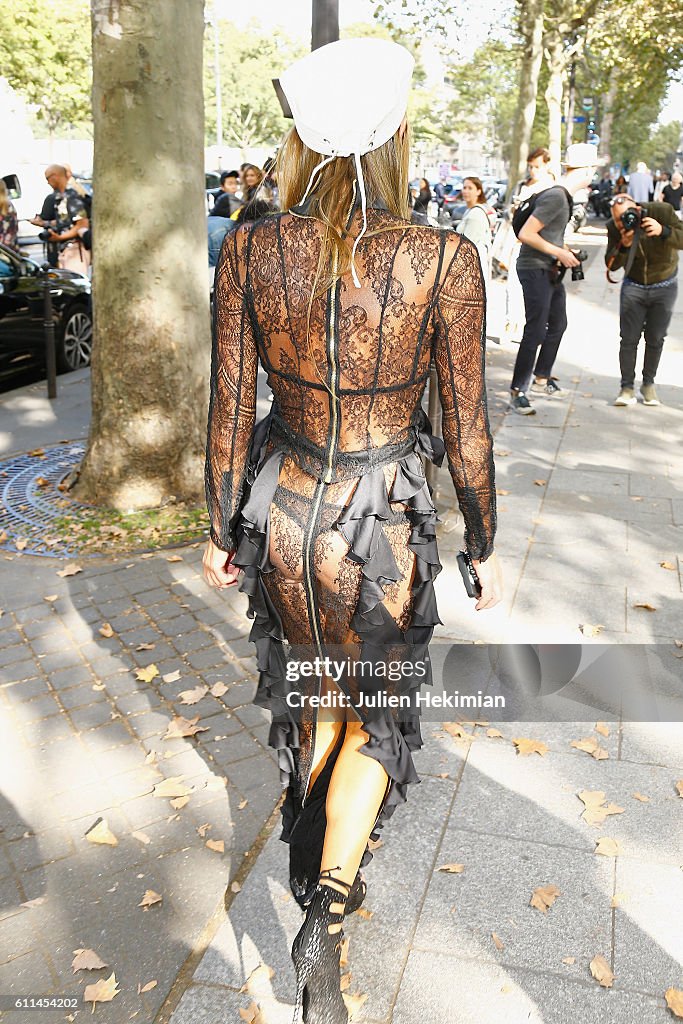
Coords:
21,312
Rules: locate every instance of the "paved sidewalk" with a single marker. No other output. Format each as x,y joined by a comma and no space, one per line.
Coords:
78,731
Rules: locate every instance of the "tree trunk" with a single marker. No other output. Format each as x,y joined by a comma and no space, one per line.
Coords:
151,351
570,108
605,127
530,16
553,97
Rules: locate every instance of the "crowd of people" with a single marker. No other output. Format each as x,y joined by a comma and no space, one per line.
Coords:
246,194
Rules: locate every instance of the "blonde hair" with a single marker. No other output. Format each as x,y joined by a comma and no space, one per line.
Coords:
386,173
4,199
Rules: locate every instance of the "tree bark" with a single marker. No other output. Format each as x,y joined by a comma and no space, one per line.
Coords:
151,351
570,107
531,17
553,96
608,119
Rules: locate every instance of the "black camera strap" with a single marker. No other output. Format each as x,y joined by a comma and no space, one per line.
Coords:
631,256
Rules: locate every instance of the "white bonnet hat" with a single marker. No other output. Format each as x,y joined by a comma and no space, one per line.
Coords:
348,98
581,154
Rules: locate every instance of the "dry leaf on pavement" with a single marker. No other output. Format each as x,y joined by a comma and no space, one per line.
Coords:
172,677
141,837
344,954
145,647
150,899
258,976
568,959
101,833
86,960
253,1014
639,796
180,727
193,696
201,830
588,629
674,1000
365,914
679,787
497,941
353,1002
242,804
646,606
602,728
456,730
452,869
148,987
345,981
218,845
494,734
602,971
106,629
69,570
595,809
607,847
50,598
172,787
103,991
543,897
147,674
174,558
590,746
540,483
526,746
218,689
668,565
236,887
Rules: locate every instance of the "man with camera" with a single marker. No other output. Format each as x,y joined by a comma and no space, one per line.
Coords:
644,239
542,261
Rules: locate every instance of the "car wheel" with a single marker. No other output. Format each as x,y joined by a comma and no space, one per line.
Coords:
75,346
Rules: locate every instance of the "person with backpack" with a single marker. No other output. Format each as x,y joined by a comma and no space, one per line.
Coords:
540,224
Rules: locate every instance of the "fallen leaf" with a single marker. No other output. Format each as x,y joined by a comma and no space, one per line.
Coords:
50,597
174,558
101,833
494,734
253,1014
568,959
141,837
590,746
667,565
201,830
180,727
644,604
639,796
543,897
42,481
344,954
590,630
179,802
365,914
618,899
674,1000
148,987
172,787
193,696
345,981
456,730
242,804
103,991
21,545
236,887
540,483
218,689
596,810
260,974
150,899
218,845
497,942
86,960
601,971
145,647
602,728
147,674
526,746
502,491
679,787
607,847
106,629
353,1002
452,869
70,570
38,453
172,677
678,643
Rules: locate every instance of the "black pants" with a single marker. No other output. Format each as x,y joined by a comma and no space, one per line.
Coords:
545,305
644,309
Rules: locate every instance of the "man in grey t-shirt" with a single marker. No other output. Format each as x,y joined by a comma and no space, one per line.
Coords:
542,238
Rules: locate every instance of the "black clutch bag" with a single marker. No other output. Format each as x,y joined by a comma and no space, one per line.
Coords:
469,574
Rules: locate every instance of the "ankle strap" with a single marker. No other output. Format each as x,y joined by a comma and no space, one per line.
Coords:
327,876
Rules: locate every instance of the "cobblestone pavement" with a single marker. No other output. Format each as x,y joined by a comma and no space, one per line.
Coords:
81,738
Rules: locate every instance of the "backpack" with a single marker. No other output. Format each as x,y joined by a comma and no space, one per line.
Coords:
525,210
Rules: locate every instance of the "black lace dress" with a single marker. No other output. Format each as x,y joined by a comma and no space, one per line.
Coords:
325,501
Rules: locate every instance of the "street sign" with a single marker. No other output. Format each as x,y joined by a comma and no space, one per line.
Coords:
580,119
588,103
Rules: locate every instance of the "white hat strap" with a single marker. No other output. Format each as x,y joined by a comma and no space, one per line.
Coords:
364,207
314,172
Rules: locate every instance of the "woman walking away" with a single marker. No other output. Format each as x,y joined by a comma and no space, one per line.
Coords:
324,505
476,225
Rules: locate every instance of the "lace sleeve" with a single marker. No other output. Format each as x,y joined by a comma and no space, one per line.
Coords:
459,349
232,405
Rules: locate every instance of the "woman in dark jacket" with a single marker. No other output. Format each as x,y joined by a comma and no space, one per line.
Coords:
421,204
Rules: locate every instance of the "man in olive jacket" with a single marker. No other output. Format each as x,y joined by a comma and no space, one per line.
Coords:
649,288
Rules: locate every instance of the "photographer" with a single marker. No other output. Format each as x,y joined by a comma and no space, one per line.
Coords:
69,224
644,239
542,256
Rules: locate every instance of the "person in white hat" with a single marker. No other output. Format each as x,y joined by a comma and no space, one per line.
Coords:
324,504
545,300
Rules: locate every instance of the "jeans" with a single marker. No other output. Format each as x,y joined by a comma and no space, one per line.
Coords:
217,228
644,309
545,306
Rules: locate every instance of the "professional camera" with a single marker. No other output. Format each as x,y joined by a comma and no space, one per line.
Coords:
44,236
577,272
631,218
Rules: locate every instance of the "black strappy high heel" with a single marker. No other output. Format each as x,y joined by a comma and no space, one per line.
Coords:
316,954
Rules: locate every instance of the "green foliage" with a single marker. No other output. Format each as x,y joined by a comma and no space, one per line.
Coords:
249,59
45,51
485,91
435,16
659,151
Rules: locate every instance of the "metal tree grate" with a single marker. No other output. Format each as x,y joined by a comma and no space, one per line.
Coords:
30,501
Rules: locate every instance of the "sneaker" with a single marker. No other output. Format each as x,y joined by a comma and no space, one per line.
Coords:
626,396
520,403
649,395
550,388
